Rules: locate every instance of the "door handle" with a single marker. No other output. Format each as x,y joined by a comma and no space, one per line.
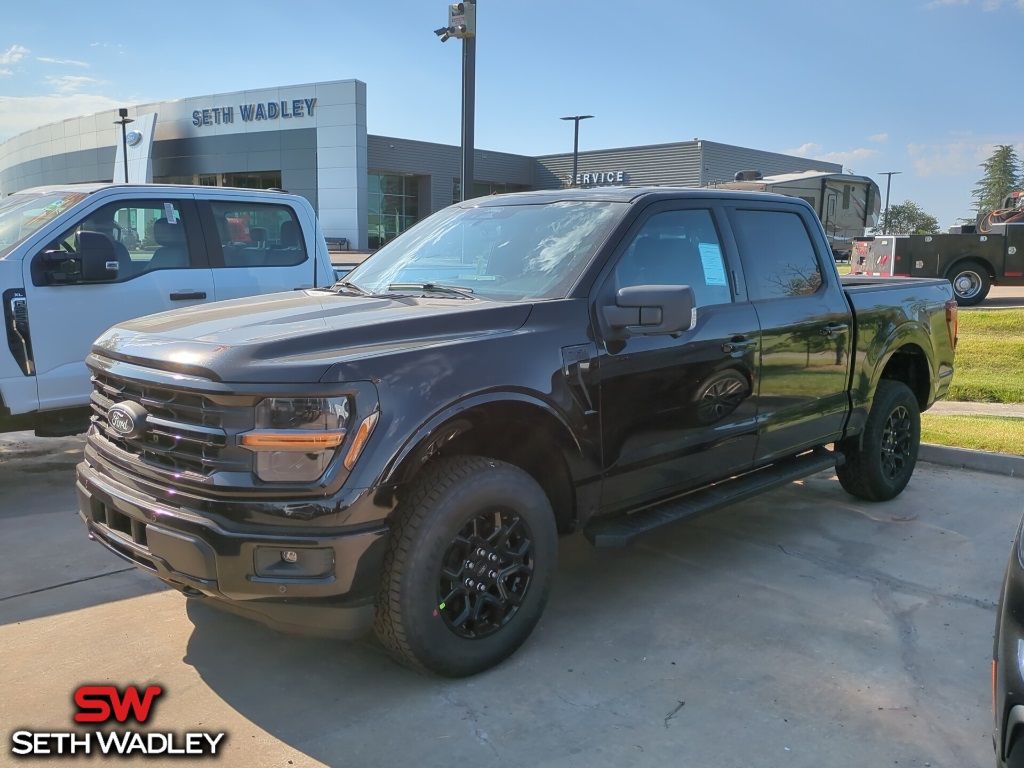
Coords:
186,295
832,329
738,344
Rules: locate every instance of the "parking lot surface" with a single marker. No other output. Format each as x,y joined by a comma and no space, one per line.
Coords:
802,628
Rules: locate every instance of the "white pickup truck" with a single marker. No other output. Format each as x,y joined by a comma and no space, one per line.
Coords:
79,258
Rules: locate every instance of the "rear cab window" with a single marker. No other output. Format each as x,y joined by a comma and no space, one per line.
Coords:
257,234
778,255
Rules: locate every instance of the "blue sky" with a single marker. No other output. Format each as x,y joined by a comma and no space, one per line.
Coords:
924,87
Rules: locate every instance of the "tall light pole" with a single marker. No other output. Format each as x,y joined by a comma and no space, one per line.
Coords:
888,184
576,143
462,24
124,137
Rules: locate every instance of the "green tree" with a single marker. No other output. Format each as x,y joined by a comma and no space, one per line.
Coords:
907,218
1003,174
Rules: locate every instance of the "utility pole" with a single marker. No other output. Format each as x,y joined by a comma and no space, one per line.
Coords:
888,184
576,144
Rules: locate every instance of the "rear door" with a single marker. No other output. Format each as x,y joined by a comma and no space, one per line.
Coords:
161,264
676,410
256,248
806,327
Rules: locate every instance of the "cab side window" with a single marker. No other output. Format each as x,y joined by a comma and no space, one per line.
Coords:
258,234
146,235
777,253
678,248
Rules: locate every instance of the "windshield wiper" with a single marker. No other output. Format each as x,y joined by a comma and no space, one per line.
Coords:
466,293
352,287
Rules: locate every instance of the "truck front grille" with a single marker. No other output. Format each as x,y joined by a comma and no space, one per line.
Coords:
185,435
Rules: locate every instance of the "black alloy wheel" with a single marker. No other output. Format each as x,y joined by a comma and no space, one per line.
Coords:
485,574
896,440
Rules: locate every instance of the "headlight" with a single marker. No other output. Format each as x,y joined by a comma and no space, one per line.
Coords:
296,437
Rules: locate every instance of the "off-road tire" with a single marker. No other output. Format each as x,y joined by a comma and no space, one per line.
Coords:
452,500
879,465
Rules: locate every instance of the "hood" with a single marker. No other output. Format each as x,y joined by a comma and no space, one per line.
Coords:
296,337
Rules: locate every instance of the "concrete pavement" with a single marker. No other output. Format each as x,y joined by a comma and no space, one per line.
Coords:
802,628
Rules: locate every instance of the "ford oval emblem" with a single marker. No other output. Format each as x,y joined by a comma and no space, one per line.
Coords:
127,419
133,138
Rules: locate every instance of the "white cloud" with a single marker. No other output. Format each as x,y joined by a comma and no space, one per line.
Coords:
71,62
69,83
20,114
950,159
955,158
13,55
879,138
807,150
6,72
848,157
816,152
941,3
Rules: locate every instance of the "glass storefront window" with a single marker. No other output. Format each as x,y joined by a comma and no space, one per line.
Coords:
253,180
393,206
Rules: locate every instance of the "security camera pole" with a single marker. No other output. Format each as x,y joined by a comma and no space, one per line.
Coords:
462,24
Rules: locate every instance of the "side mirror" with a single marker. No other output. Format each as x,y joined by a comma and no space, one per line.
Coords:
652,309
99,261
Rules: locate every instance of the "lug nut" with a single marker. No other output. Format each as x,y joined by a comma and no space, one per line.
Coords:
470,564
493,558
493,574
480,587
481,551
470,583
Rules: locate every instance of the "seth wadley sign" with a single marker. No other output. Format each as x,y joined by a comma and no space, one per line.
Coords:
264,110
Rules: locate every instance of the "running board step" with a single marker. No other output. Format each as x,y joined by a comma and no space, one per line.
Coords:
620,530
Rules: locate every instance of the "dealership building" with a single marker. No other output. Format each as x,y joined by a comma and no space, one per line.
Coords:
312,140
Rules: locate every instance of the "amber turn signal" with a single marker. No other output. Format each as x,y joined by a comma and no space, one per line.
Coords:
359,441
292,441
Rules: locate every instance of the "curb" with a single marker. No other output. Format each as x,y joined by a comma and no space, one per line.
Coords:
963,458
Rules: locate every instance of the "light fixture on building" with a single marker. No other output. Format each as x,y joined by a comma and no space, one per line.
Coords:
123,113
462,24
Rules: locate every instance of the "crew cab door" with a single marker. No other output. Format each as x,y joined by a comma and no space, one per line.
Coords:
256,248
155,260
806,326
679,408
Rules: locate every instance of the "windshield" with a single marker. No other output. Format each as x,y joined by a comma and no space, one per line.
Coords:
502,252
23,214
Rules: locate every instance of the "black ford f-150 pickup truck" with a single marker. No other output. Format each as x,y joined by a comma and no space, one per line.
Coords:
402,450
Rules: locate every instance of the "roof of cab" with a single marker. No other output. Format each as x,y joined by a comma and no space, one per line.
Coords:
622,195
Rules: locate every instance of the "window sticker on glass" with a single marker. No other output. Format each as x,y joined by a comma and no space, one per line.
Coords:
169,213
711,260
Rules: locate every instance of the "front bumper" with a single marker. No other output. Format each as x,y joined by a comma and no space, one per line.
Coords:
325,585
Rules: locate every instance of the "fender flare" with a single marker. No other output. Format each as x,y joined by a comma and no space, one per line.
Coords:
445,424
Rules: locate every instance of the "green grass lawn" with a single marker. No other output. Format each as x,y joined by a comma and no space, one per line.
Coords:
982,433
989,365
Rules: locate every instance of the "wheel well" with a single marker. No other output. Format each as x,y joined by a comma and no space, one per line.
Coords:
977,260
910,365
518,433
